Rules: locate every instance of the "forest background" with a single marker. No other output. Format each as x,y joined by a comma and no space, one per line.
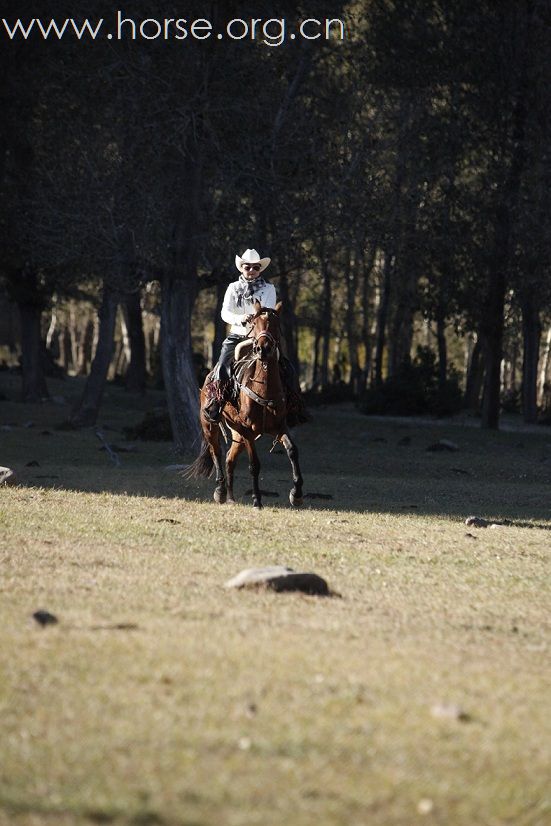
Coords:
398,177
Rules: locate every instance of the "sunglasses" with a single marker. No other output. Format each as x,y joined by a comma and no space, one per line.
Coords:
252,267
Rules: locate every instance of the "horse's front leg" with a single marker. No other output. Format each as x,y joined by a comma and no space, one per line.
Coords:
237,446
295,494
254,467
212,435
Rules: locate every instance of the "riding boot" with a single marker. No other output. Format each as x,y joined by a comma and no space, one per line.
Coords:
216,392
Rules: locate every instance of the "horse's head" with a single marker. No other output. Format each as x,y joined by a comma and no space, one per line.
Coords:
265,331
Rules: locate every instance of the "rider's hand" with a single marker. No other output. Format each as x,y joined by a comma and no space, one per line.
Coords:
247,319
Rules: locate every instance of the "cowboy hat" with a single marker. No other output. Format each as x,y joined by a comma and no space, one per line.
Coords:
251,257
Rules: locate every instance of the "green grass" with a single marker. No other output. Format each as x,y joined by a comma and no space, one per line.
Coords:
224,708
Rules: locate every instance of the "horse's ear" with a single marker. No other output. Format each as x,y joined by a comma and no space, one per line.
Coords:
278,307
257,305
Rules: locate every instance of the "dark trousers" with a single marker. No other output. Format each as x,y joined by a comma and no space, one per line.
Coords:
222,370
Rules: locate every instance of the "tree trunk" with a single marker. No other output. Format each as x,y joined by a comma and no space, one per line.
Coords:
493,330
382,317
531,333
52,326
177,301
178,293
401,337
315,358
74,336
352,269
86,349
366,333
288,321
442,350
64,346
85,413
325,324
288,318
475,376
544,367
34,386
495,303
132,311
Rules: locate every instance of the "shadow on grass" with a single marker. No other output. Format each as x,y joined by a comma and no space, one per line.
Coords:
524,506
350,463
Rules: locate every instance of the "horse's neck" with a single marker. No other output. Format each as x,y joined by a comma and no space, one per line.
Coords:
270,377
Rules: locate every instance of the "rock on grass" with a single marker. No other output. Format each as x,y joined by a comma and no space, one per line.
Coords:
450,711
44,617
476,522
7,476
279,578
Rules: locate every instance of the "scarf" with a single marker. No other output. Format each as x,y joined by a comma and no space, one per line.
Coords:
246,289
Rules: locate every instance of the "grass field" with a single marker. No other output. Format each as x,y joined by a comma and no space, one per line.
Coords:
161,698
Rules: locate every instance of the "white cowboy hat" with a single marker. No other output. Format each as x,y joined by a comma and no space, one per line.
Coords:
251,257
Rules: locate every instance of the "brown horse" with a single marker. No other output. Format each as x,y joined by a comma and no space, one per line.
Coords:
261,409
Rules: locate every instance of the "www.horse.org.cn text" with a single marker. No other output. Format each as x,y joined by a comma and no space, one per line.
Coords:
274,31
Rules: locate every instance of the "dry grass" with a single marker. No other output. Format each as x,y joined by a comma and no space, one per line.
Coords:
227,708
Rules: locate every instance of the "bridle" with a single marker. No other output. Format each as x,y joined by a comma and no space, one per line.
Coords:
256,338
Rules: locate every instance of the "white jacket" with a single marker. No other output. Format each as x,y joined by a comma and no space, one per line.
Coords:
234,315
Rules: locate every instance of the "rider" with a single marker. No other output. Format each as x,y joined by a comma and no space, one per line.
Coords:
238,310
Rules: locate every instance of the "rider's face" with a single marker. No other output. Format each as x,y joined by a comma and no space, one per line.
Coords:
250,271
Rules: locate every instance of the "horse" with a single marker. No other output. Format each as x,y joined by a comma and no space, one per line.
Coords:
261,409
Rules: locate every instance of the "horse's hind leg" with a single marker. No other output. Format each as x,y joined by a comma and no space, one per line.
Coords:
254,467
295,494
237,446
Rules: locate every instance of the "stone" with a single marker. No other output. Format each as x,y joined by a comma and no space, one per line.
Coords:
44,617
425,806
7,476
280,578
443,444
476,522
449,711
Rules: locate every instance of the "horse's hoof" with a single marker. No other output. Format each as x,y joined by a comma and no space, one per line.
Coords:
296,501
219,497
257,504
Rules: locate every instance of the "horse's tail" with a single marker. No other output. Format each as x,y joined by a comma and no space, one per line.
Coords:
203,466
